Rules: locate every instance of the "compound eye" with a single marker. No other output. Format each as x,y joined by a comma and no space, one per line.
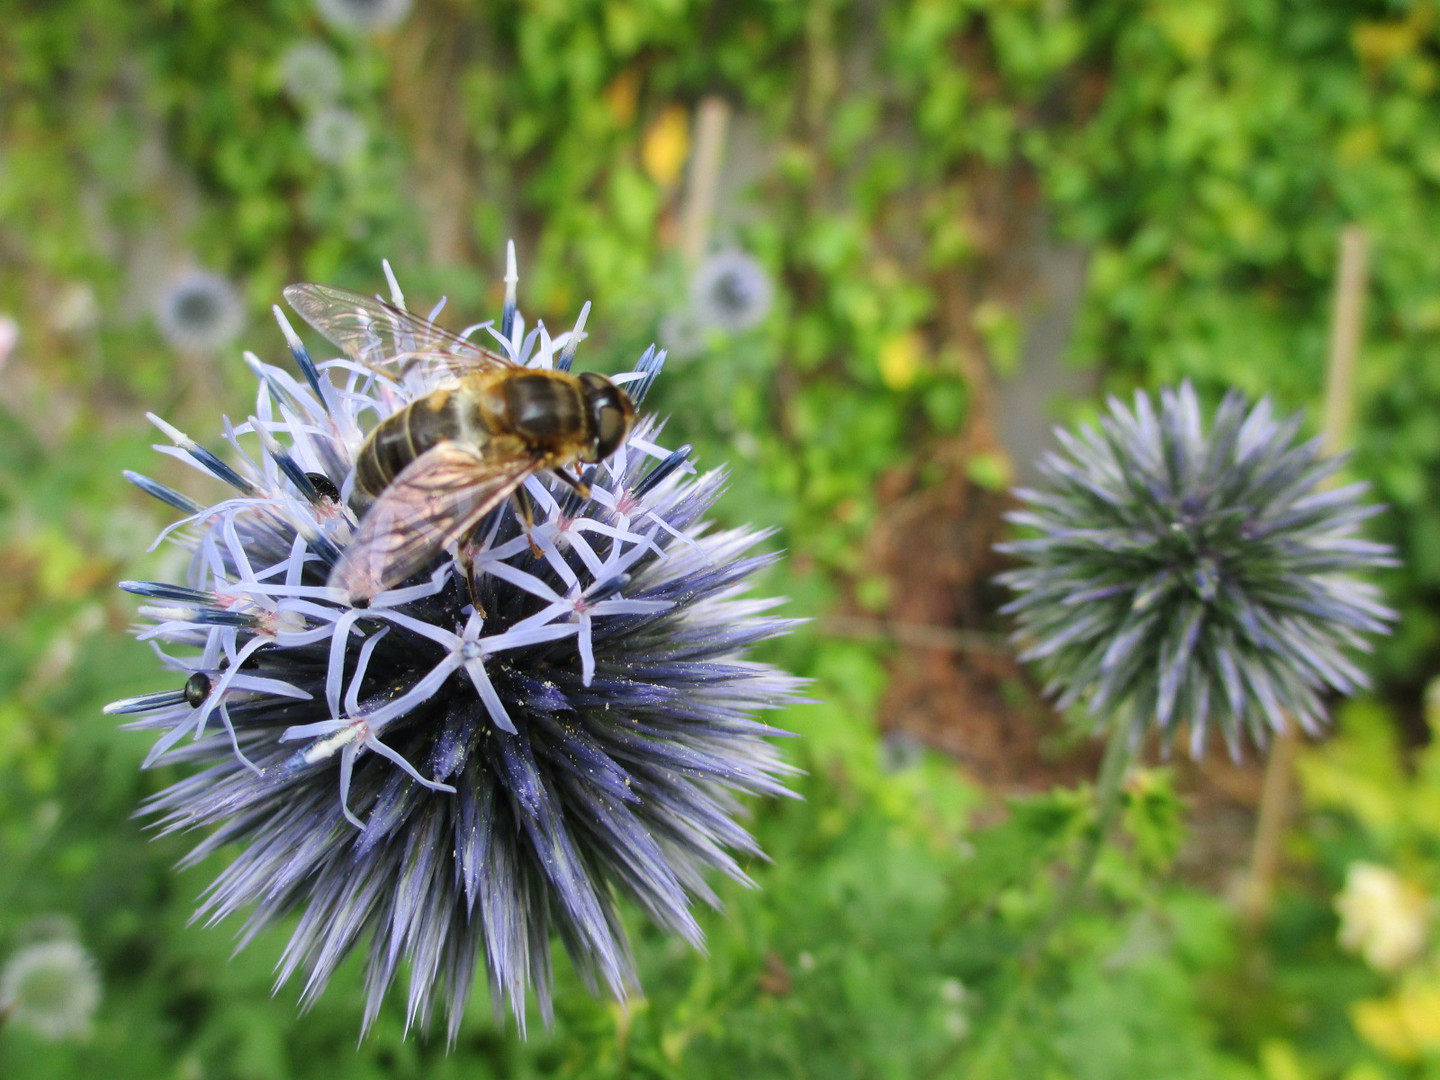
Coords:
611,427
611,414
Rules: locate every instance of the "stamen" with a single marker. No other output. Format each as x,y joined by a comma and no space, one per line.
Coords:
183,503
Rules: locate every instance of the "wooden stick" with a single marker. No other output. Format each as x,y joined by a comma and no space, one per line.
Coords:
1345,339
1347,321
703,183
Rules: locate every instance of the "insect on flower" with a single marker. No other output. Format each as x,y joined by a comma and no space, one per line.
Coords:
512,715
437,466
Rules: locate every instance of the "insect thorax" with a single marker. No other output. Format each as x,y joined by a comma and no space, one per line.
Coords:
545,409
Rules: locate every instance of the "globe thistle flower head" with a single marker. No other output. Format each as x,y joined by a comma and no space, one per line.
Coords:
199,312
311,74
731,291
335,135
540,720
1194,576
363,16
51,987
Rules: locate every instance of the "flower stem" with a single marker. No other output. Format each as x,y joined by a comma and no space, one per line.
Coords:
1108,789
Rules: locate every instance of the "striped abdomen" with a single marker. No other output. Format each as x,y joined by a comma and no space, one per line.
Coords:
401,438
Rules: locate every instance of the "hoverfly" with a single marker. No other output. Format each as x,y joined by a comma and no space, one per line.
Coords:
445,460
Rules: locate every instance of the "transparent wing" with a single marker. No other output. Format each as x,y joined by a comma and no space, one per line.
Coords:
436,499
381,336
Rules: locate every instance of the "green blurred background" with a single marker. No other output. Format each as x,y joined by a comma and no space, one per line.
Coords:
974,216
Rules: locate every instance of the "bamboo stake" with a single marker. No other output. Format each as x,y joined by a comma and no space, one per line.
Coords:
1347,320
1345,339
703,183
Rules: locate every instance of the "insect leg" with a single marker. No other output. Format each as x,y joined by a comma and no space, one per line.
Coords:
466,558
577,482
526,511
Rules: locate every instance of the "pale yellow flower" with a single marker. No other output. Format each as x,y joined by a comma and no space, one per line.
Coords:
1382,917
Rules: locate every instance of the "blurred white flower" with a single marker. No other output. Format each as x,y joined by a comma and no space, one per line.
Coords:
9,335
75,309
364,16
731,290
1382,917
200,312
311,74
335,135
955,1017
51,987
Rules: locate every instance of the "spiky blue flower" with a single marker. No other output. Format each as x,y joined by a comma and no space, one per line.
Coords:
437,781
1184,576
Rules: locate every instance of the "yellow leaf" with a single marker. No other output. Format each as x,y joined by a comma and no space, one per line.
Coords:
621,95
1191,27
667,145
1420,1010
1365,1070
991,471
1404,1027
1280,1061
1360,143
1377,44
899,360
1381,1024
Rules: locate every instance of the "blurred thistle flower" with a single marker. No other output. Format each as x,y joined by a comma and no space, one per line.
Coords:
200,312
682,333
900,751
363,16
470,762
730,290
1193,576
336,135
311,74
51,987
1382,917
